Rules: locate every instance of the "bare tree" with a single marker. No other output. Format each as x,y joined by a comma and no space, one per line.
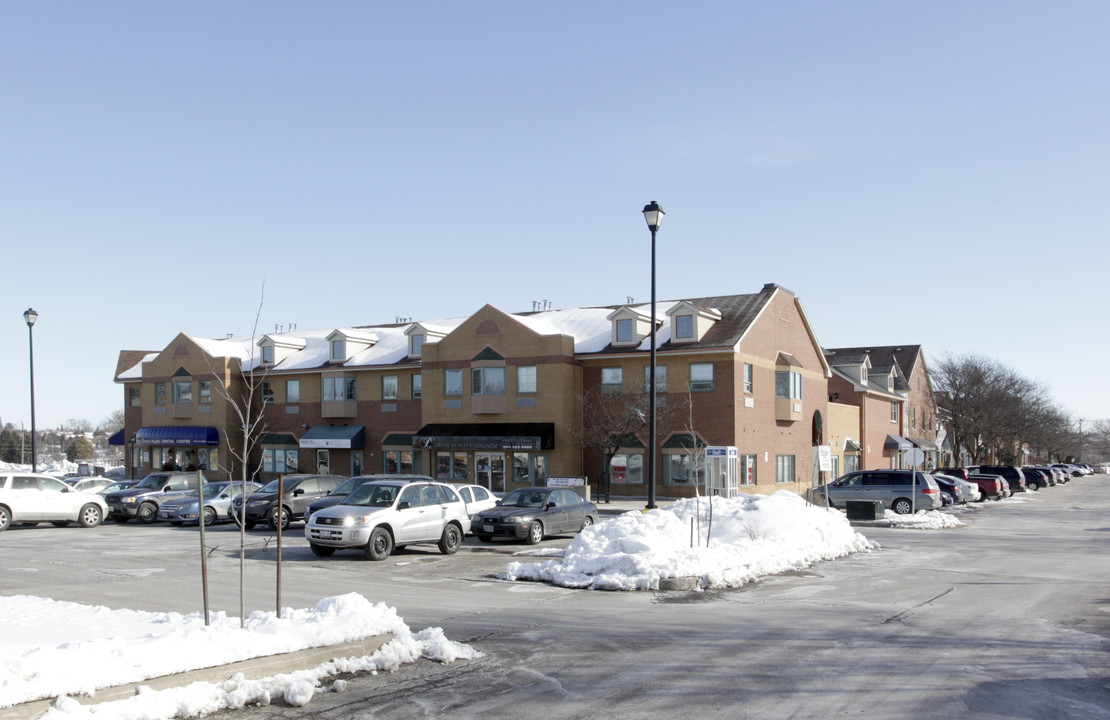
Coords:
113,422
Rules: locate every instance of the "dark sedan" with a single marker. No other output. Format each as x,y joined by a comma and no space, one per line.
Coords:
530,514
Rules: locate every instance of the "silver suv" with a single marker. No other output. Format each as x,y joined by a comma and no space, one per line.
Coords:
890,487
381,515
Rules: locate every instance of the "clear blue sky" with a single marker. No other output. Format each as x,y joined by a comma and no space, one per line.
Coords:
930,172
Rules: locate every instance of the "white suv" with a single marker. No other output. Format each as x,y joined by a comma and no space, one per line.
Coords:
31,498
383,514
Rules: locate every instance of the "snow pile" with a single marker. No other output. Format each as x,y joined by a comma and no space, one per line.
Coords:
751,536
927,520
49,650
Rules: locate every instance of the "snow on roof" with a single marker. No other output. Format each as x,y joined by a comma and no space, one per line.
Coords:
135,372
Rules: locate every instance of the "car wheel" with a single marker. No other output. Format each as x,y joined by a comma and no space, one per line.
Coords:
321,550
272,519
209,515
147,513
902,506
586,522
380,545
5,518
60,523
451,539
486,538
1032,487
535,532
90,516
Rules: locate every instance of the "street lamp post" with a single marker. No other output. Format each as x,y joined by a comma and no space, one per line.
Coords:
653,214
31,316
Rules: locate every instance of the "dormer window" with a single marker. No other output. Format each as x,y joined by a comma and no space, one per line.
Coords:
345,344
267,354
684,327
416,343
624,331
420,333
863,374
630,326
689,322
275,348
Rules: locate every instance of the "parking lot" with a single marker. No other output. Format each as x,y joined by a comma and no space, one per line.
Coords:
1006,616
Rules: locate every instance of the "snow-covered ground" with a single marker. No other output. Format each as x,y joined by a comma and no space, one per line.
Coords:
57,649
61,649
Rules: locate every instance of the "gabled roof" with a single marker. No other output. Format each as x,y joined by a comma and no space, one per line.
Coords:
905,356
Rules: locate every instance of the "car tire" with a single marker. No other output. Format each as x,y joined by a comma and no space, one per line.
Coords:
90,516
209,516
5,518
321,550
535,533
380,545
451,539
272,519
147,513
486,538
60,523
902,506
586,522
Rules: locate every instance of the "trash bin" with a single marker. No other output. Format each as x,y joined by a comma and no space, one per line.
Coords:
864,510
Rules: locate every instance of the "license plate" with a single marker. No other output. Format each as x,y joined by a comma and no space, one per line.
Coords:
487,528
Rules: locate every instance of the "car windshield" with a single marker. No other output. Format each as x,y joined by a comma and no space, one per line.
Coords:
153,481
272,487
373,496
213,489
525,498
348,486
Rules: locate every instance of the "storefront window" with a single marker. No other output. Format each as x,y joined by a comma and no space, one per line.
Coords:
627,469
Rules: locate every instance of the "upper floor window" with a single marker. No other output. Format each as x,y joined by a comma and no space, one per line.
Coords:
338,388
788,384
894,411
487,381
416,344
134,397
267,354
267,392
684,327
204,390
452,382
182,391
160,393
417,386
625,329
526,379
701,377
292,391
338,350
660,378
612,380
749,378
389,387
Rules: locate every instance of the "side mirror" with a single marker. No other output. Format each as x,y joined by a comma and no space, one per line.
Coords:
549,506
298,492
404,505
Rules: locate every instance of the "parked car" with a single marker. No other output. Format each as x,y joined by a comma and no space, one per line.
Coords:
298,492
530,514
893,488
142,499
33,498
381,515
344,489
994,487
1013,474
1036,478
955,489
217,499
91,485
477,499
1070,469
972,491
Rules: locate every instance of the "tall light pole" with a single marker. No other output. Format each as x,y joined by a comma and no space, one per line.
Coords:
654,216
31,316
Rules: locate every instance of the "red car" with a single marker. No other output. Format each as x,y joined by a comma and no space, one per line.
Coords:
990,486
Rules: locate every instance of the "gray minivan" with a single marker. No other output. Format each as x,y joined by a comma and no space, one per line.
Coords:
890,487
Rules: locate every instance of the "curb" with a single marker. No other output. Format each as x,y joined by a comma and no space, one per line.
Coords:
252,669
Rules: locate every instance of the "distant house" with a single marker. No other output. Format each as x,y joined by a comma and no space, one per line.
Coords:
897,411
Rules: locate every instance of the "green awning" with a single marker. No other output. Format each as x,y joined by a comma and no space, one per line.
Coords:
683,441
397,440
335,437
279,439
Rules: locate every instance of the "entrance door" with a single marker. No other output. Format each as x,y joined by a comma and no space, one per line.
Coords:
489,469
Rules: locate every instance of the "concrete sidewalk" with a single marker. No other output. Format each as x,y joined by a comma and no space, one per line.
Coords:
618,505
